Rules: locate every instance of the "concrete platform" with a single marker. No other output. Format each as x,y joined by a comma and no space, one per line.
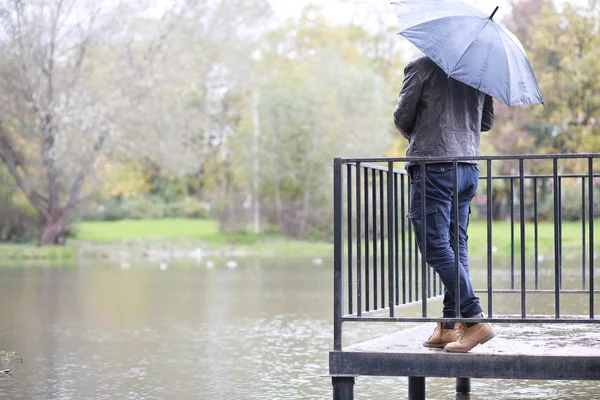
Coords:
519,351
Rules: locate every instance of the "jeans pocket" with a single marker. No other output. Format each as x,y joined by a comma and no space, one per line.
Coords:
439,168
435,236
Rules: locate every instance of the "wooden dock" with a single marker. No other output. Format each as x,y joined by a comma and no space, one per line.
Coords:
519,351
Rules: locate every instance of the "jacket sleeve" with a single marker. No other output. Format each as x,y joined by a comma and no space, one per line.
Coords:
487,122
405,114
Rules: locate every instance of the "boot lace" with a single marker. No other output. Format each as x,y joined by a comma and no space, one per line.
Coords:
461,332
438,328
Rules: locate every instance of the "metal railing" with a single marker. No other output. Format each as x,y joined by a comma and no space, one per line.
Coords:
379,271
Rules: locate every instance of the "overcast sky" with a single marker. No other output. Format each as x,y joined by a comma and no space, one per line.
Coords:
367,11
358,10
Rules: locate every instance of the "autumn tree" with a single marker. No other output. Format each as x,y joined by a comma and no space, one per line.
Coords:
320,95
53,123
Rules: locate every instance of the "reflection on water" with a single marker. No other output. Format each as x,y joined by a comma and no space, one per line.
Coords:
258,331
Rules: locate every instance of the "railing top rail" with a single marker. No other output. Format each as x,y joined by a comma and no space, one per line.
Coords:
479,158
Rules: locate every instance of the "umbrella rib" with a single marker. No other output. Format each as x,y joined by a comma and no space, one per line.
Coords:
507,63
501,33
468,48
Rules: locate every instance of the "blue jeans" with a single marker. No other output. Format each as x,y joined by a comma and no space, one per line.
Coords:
440,228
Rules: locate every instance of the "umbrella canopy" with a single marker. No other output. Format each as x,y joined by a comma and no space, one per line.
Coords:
470,47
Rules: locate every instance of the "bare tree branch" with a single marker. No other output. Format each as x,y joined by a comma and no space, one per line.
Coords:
11,158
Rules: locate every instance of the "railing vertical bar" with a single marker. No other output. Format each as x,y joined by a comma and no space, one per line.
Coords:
535,234
583,242
382,238
560,231
396,241
489,239
374,192
423,239
390,235
410,245
429,292
338,254
522,223
435,284
358,240
403,228
456,243
591,233
367,257
349,228
556,240
417,293
512,233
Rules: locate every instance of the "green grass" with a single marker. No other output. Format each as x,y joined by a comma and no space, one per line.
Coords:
501,236
32,252
189,234
114,231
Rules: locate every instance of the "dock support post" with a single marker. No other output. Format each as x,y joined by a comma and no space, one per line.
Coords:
463,385
416,388
343,388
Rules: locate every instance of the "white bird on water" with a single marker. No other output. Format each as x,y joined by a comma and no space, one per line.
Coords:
232,264
163,266
210,264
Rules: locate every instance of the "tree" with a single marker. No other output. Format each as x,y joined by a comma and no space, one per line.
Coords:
53,123
321,96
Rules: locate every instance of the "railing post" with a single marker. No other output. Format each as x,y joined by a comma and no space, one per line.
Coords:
512,233
375,246
338,255
591,233
535,234
382,241
583,244
522,226
358,242
456,243
349,231
489,239
390,233
423,244
556,238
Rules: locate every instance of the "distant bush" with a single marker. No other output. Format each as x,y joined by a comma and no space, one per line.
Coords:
143,207
19,221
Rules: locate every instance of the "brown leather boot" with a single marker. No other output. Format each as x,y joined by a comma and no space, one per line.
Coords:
441,337
470,337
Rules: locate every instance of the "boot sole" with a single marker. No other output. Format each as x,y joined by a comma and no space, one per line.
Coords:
435,346
485,339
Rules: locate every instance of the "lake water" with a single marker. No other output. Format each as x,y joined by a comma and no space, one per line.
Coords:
260,330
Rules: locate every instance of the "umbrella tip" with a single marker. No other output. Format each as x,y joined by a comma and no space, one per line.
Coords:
494,13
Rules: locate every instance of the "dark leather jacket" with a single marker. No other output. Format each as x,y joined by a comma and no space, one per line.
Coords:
438,115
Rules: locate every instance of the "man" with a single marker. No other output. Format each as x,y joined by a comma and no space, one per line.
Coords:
442,117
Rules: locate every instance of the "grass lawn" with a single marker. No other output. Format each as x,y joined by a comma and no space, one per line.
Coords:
501,237
192,233
47,255
189,234
114,231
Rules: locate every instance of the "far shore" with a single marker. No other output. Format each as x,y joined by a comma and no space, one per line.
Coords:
196,239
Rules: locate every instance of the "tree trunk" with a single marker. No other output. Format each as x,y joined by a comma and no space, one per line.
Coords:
55,229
